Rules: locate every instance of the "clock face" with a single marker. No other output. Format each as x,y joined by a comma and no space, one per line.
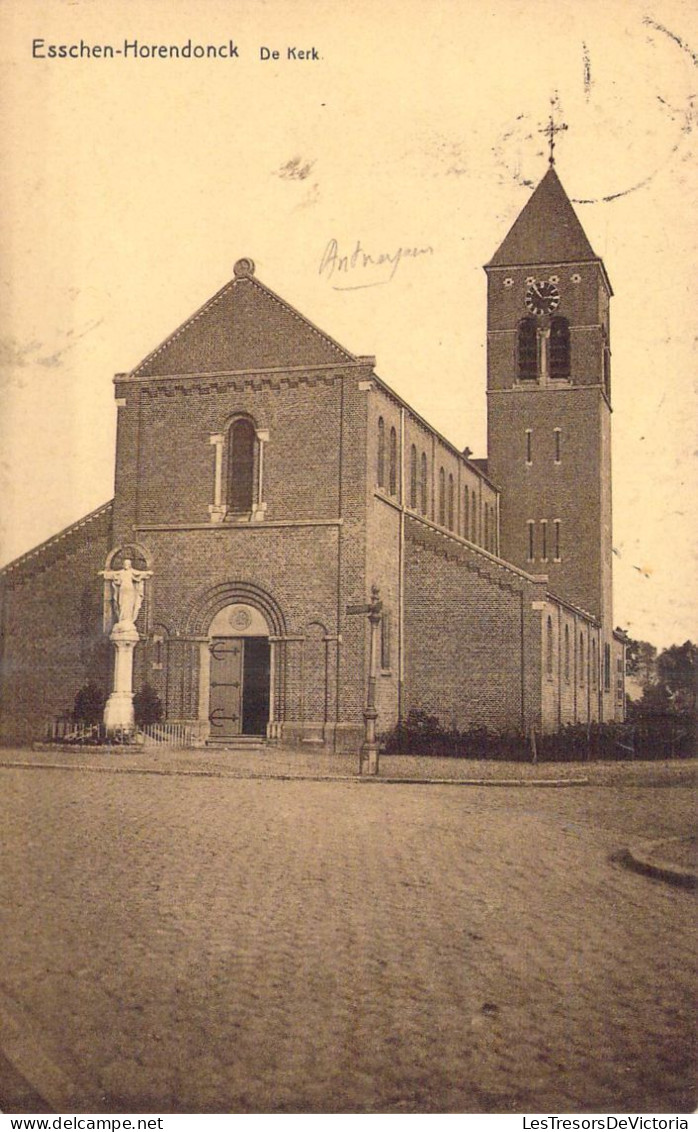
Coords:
542,297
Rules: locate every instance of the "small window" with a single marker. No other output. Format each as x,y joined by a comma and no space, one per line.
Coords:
557,435
392,480
423,480
450,502
531,540
241,454
413,477
556,527
528,350
529,446
380,460
559,348
549,647
442,497
544,539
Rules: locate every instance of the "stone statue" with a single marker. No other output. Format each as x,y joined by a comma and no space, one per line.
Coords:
127,587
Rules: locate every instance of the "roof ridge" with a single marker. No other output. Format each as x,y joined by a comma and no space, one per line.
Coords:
72,528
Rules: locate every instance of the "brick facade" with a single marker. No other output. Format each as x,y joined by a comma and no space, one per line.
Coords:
344,487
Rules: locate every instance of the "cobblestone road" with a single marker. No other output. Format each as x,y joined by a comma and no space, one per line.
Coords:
185,944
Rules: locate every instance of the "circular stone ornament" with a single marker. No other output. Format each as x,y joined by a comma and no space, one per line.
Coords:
240,619
243,269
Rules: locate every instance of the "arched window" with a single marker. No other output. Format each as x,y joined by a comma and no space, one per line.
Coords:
567,653
423,478
549,647
450,502
473,517
528,350
241,457
487,527
466,513
413,477
442,497
380,461
594,665
392,463
559,348
581,660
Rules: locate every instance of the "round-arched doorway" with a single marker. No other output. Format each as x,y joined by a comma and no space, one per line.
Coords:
239,673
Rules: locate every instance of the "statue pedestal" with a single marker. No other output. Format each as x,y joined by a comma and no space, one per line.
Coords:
118,712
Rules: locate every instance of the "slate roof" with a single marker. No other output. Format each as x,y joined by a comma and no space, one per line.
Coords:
245,326
546,231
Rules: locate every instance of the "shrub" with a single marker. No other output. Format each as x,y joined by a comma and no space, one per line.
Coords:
147,706
89,703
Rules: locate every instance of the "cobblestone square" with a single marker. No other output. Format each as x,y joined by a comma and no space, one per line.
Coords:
175,943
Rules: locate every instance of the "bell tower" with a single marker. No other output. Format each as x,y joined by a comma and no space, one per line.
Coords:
549,400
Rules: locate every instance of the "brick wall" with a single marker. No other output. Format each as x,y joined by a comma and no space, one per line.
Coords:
472,637
52,639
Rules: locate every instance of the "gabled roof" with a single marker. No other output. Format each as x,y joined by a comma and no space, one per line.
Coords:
546,231
243,327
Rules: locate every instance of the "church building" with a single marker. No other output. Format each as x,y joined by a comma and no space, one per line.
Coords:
267,479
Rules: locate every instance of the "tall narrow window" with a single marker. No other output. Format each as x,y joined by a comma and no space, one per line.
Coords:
557,436
594,665
487,527
380,462
559,348
241,450
529,446
473,516
442,497
466,513
607,370
567,653
528,350
544,539
607,668
450,502
385,640
556,526
531,540
549,646
392,463
413,477
423,480
581,660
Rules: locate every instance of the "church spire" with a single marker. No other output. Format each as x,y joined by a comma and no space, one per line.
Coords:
547,230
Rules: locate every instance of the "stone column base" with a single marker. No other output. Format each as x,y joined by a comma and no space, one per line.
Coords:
118,712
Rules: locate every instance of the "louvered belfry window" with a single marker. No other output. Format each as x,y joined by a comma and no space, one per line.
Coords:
528,350
559,348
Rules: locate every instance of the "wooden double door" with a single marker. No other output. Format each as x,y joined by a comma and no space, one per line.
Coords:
239,686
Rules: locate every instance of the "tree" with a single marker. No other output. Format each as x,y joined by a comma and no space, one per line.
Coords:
641,662
677,670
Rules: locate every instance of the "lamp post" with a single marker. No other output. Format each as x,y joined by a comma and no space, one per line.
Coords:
369,748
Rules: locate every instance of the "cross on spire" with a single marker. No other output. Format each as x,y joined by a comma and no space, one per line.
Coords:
551,129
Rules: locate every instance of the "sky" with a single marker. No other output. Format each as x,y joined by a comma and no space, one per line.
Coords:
131,186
